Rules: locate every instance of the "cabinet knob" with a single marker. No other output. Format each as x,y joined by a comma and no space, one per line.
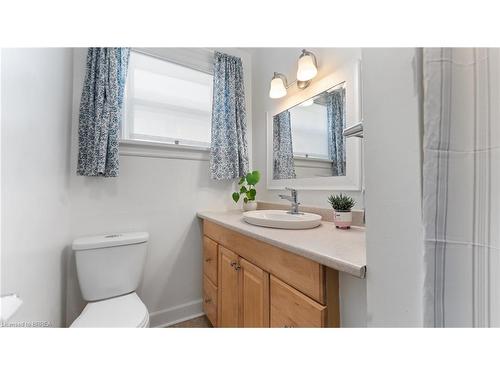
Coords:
208,259
235,265
208,300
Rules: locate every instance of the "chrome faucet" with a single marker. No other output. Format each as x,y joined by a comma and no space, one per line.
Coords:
293,200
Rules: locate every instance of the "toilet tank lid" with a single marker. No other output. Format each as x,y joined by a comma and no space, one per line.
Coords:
109,240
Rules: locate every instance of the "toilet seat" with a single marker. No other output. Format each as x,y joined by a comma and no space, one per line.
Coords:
123,311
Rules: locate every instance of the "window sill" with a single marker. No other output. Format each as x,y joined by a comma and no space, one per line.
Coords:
149,149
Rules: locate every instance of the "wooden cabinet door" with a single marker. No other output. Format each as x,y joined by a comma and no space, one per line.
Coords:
227,289
254,295
290,308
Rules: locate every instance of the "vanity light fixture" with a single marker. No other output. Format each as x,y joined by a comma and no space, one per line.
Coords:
307,67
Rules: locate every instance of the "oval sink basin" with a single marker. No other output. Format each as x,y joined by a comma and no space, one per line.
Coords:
282,219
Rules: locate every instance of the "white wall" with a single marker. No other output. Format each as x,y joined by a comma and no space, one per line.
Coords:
36,94
394,235
265,61
157,195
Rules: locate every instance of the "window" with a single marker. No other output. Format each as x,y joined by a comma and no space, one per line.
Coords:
309,131
167,102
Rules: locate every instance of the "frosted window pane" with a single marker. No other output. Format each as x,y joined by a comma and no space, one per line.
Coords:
309,130
170,125
167,102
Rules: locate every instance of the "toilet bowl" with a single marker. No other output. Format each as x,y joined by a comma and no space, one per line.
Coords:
124,311
109,269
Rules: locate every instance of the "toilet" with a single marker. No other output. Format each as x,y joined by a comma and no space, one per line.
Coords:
109,269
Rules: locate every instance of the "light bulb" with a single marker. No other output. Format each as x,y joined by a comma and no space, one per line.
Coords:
277,89
307,69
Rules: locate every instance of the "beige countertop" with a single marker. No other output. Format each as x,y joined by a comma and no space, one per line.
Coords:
343,250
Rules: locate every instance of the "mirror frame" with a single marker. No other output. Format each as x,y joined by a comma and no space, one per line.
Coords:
352,181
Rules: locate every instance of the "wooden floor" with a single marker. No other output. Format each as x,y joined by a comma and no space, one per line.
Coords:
200,322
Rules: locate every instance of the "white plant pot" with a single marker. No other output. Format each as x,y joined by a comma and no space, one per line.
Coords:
250,206
342,219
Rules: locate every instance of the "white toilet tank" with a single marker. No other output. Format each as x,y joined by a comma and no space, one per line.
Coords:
110,265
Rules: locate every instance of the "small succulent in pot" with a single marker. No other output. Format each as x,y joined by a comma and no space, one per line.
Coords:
342,206
247,190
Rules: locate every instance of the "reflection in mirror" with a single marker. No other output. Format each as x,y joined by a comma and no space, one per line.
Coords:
308,140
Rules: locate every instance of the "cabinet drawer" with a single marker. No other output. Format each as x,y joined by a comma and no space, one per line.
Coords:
291,308
210,300
210,259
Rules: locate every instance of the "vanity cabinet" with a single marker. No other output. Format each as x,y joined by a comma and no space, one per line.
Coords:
250,283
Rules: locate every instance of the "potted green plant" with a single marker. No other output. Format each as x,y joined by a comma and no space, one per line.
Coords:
247,191
342,214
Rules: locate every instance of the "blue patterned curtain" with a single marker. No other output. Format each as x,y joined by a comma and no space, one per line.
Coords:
283,165
100,111
335,111
229,150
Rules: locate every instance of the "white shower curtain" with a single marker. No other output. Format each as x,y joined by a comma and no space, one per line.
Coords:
461,177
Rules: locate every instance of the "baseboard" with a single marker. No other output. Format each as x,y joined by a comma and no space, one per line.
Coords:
176,314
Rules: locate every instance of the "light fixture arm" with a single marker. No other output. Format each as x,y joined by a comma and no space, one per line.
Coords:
285,81
300,84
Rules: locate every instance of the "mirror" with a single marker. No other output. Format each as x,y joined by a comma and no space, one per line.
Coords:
307,154
307,138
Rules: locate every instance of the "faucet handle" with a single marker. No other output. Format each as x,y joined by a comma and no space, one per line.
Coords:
293,192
